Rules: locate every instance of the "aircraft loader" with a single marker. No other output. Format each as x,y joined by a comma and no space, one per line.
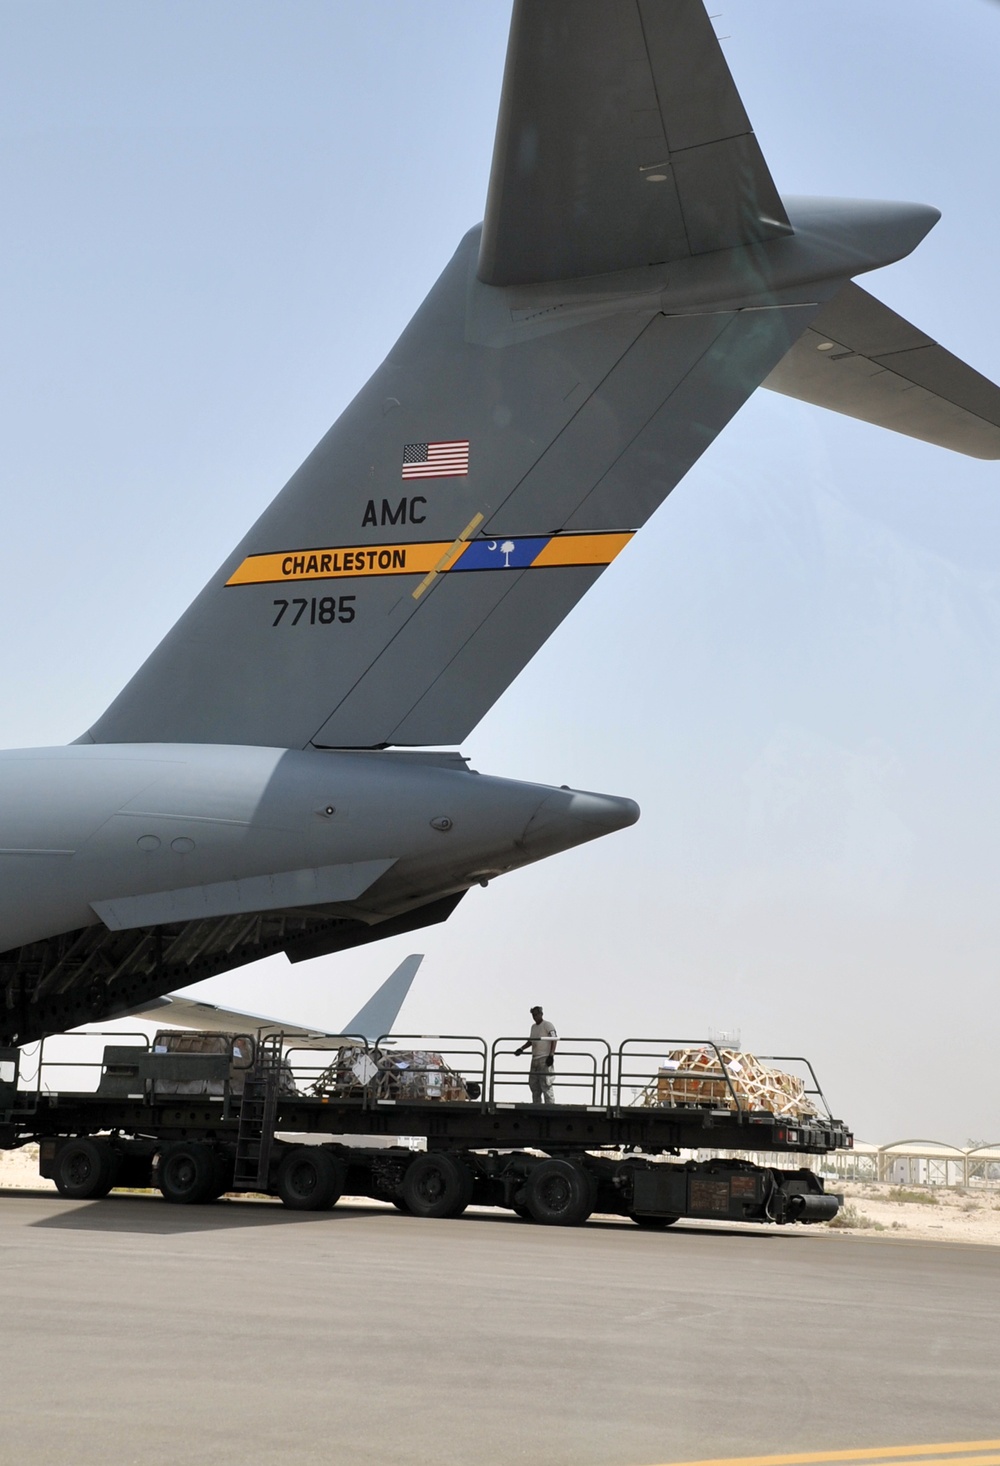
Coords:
312,1119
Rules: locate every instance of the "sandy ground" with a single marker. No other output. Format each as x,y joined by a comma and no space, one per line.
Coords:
946,1214
888,1212
19,1170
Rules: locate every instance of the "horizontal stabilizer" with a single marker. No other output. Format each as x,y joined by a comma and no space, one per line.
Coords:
621,142
861,359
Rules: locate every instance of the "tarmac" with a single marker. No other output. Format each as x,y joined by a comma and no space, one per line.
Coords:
133,1331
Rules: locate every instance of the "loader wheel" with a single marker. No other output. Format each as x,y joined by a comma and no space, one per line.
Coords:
310,1179
437,1185
187,1173
85,1169
653,1224
560,1193
521,1211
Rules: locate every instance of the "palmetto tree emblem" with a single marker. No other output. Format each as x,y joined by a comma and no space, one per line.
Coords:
506,549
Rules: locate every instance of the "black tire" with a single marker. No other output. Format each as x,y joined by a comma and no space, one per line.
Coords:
401,1205
560,1193
310,1179
187,1173
85,1169
521,1211
653,1224
437,1185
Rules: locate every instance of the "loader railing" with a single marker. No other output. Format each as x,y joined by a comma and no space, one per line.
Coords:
812,1089
62,1057
405,1069
395,1068
324,1068
414,1067
647,1075
580,1074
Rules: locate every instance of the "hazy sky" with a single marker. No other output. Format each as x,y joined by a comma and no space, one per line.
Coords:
217,220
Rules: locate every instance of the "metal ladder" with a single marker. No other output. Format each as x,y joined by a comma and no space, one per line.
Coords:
258,1111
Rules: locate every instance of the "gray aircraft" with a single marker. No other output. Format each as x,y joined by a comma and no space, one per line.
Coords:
264,782
373,1020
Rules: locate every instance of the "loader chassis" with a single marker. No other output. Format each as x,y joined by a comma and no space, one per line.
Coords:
556,1164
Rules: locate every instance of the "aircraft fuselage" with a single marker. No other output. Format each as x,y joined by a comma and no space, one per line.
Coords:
145,834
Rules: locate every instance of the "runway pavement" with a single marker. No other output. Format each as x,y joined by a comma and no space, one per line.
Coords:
133,1331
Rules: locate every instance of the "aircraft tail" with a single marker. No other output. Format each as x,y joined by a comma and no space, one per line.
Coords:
375,1018
575,359
507,450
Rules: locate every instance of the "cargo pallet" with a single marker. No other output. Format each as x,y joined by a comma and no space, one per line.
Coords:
604,1146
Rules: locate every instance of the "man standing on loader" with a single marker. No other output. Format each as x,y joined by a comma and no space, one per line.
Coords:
542,1042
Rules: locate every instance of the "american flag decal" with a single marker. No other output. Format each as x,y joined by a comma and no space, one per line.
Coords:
436,460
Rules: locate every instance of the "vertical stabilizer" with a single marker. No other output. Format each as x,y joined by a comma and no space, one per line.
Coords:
382,1009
